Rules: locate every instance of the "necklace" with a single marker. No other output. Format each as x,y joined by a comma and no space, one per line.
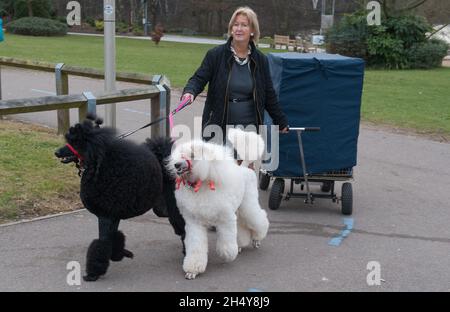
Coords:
238,59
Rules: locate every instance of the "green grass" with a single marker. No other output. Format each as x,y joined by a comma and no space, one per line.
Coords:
32,181
412,99
415,99
177,61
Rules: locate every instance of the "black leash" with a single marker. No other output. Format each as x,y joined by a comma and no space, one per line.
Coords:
143,127
182,105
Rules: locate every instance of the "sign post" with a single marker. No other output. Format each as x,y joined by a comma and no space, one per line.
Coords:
109,20
145,19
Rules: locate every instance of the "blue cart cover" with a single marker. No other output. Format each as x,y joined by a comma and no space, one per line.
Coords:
317,90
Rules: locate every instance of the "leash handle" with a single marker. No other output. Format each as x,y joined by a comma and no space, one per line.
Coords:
182,104
186,101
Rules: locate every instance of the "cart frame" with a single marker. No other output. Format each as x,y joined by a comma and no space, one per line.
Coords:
327,179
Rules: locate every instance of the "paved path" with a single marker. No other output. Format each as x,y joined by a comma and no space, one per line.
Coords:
401,215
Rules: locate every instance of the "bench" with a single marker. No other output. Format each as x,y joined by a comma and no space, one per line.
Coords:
283,41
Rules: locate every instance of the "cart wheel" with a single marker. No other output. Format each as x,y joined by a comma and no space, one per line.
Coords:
264,181
326,186
276,194
347,199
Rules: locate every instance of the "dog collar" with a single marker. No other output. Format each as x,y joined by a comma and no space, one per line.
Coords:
194,185
189,163
74,151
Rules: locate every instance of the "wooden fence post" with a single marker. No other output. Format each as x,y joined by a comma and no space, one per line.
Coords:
62,88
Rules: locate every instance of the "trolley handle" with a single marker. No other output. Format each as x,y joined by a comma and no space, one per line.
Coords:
304,128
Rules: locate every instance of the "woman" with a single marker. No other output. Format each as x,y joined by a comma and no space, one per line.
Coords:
240,86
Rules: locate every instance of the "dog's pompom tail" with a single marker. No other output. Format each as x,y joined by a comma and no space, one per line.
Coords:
93,117
98,122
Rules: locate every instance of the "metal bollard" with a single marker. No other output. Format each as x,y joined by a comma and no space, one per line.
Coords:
160,108
91,102
89,107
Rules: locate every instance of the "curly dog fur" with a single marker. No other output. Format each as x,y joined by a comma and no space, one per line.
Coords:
120,180
214,191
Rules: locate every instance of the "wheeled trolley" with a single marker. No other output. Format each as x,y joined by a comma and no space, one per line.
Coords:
327,181
314,90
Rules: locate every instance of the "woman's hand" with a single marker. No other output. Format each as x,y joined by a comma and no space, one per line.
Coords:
285,130
189,96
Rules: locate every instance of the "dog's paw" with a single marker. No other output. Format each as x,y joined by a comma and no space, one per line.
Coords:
256,243
128,254
90,278
227,252
193,266
124,253
190,275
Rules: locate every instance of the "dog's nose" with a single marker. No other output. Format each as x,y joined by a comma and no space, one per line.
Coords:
178,165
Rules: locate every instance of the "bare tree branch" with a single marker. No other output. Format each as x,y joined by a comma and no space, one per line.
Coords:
412,6
436,31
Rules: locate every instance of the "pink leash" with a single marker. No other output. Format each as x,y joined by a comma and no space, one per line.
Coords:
182,104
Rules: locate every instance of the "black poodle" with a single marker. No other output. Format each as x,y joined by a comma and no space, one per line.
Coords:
119,180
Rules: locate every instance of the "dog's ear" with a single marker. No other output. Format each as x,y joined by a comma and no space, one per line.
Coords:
93,117
79,130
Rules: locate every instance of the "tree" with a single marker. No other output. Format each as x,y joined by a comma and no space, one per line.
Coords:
393,7
6,8
437,12
153,6
30,8
396,8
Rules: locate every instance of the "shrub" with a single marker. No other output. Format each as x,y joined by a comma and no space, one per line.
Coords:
61,19
399,42
410,29
37,26
138,30
40,8
90,21
349,36
157,33
427,54
99,25
386,50
122,27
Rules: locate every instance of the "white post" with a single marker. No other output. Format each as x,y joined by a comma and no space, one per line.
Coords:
109,19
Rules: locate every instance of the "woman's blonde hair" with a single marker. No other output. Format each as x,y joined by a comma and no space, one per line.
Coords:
252,18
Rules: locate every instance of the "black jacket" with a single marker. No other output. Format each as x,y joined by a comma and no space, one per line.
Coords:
216,69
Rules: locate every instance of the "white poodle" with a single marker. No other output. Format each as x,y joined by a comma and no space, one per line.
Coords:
212,190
